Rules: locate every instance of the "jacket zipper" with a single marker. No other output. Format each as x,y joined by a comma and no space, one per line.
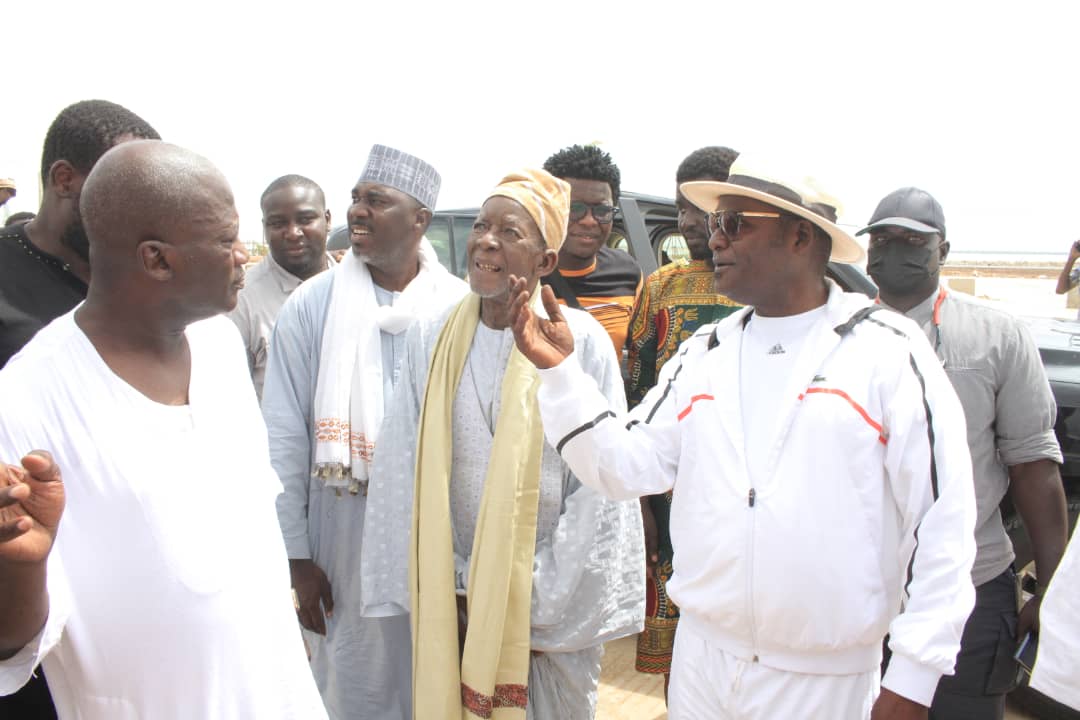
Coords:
750,500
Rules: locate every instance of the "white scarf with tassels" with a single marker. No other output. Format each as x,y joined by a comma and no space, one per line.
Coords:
349,390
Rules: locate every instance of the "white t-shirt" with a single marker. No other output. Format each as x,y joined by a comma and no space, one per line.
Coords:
168,583
770,348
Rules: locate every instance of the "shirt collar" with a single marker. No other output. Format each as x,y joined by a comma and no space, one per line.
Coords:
922,313
285,280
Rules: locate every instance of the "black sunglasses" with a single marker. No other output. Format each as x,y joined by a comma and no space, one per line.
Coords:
729,222
601,213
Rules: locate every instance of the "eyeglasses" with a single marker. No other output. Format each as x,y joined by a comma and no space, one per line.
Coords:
729,222
601,213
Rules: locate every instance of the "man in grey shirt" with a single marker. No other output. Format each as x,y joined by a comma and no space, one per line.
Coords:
995,369
295,225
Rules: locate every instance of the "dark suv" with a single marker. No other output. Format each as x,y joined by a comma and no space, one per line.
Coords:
646,226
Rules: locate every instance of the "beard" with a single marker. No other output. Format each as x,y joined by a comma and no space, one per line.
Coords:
74,238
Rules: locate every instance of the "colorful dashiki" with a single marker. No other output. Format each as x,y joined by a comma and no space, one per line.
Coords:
677,299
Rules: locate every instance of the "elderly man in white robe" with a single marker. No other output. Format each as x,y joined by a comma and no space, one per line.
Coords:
334,360
517,573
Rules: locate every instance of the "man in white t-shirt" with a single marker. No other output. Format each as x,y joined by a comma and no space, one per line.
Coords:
152,580
820,476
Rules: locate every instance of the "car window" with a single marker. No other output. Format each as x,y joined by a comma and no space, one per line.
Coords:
672,247
617,240
339,239
462,228
438,233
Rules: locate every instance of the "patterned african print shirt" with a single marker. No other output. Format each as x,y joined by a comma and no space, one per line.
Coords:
677,299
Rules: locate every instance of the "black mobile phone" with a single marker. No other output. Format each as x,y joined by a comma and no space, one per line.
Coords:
1025,654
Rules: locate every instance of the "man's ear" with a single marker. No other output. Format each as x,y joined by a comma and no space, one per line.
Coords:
423,219
64,179
804,235
943,249
328,219
155,258
548,262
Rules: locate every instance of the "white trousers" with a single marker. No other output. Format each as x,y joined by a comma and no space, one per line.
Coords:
710,684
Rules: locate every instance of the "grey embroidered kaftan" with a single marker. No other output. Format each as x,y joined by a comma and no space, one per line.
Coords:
588,571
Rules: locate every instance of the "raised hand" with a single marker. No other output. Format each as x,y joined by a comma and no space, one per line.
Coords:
546,343
312,594
31,504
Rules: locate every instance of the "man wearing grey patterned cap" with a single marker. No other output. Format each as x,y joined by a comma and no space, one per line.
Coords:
333,363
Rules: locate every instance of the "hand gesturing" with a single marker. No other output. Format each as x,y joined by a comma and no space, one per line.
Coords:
31,503
546,343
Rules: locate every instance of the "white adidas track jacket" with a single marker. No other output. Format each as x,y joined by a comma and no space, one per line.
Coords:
865,526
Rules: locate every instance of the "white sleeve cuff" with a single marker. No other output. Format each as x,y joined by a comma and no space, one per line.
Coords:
298,548
560,379
384,610
909,679
16,670
568,398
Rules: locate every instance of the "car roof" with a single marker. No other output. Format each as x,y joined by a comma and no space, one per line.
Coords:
656,200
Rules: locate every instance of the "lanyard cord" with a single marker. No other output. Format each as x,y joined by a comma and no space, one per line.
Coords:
935,318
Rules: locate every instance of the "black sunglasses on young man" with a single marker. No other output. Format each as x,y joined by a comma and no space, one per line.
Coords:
601,213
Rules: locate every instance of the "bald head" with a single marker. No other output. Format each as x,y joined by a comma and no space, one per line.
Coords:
139,191
163,229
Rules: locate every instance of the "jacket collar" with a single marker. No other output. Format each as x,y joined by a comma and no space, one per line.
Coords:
839,306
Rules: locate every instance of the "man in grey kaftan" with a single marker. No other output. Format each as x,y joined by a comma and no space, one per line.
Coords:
588,569
317,376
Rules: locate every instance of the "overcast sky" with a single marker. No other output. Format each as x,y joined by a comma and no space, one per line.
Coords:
974,102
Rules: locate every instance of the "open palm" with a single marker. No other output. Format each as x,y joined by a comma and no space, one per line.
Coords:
31,504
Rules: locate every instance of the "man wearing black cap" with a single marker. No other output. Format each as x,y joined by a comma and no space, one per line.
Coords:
995,368
820,477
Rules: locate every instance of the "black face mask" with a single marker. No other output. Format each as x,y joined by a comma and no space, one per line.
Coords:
899,268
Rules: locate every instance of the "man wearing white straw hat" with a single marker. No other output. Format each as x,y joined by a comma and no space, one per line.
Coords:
822,492
334,361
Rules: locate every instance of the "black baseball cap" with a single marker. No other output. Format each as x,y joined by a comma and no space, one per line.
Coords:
909,208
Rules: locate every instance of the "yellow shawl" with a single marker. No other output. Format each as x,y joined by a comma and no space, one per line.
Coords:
491,680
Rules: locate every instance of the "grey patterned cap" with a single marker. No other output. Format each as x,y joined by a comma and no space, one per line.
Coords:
402,171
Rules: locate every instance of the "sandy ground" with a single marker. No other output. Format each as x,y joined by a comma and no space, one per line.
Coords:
626,694
1023,296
